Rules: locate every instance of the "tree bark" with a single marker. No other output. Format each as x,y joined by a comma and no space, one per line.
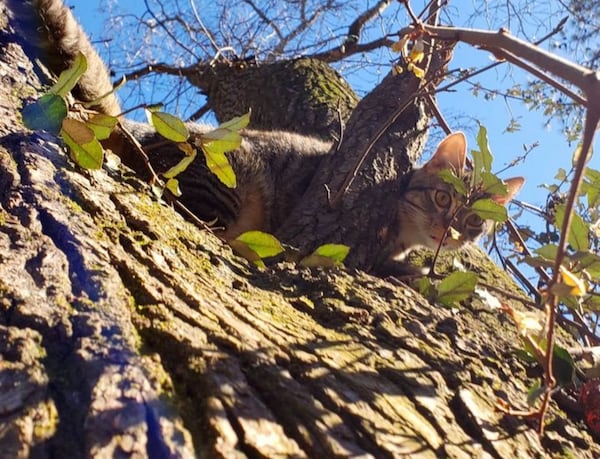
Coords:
353,196
127,332
306,96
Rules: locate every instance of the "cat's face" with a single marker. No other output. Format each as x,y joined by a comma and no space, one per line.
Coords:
431,213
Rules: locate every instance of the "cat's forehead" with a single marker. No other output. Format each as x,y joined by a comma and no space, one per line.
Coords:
424,178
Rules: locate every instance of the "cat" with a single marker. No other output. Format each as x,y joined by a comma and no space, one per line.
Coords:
431,213
273,169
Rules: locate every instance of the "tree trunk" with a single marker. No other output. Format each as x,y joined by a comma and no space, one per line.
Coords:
353,197
301,95
127,332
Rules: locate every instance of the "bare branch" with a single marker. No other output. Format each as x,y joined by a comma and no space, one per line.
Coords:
168,32
356,27
585,79
340,52
206,31
261,14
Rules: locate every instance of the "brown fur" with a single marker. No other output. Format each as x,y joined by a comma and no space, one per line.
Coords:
273,169
55,37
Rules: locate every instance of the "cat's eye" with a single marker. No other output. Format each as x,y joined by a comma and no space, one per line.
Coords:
442,199
474,221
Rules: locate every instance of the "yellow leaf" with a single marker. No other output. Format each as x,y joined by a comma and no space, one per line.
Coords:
576,154
317,261
169,126
173,186
528,323
218,164
454,234
418,71
102,125
187,148
77,131
417,52
237,123
222,139
179,167
263,244
578,286
84,147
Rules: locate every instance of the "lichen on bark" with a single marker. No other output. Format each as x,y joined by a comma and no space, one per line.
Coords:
128,331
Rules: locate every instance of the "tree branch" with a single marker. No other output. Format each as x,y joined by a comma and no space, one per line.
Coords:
585,79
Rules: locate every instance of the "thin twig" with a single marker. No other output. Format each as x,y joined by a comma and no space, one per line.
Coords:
541,75
169,33
205,30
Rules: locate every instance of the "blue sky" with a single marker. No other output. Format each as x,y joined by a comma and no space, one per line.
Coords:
541,165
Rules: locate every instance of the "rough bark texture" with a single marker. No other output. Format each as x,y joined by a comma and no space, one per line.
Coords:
360,213
127,332
302,95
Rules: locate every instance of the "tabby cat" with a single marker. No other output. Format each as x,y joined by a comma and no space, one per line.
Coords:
431,213
273,169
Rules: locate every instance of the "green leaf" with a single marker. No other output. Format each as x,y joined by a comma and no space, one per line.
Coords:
482,158
534,393
102,125
47,113
591,187
337,252
548,251
426,287
246,252
561,174
487,209
592,303
327,256
237,123
456,287
219,141
69,78
179,167
263,244
579,231
169,126
85,148
588,261
218,163
457,183
563,366
173,186
493,185
538,262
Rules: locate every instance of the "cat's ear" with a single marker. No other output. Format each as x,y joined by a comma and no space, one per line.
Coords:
513,185
450,154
